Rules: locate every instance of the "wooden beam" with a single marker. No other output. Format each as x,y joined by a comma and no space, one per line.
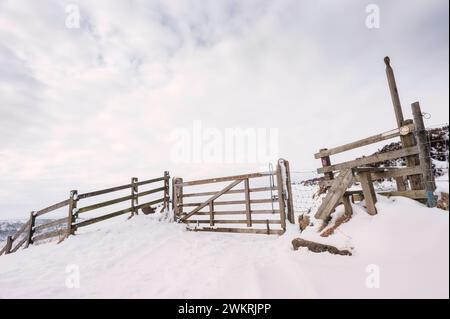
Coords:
21,230
366,141
214,197
335,194
72,206
226,179
232,221
50,224
52,208
177,189
232,191
247,203
376,158
413,194
211,213
369,192
290,202
30,232
281,202
394,92
239,212
241,230
104,204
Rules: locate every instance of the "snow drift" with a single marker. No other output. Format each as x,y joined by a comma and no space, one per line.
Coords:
151,257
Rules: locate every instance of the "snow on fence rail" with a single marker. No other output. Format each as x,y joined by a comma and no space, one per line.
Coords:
31,233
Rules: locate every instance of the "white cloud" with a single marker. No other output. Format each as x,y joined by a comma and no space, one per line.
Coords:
87,107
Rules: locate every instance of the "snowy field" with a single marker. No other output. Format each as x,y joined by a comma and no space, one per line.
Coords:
151,257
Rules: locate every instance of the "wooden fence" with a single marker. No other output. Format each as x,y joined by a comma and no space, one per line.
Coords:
28,233
274,203
415,180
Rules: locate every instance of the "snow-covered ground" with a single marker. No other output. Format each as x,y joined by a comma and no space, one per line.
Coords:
406,244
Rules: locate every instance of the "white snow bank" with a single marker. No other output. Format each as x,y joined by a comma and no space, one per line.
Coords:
148,258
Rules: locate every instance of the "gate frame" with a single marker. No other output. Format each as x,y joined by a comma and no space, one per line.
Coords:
283,197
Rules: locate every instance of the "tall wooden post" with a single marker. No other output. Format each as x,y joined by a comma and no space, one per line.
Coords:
407,140
72,206
30,229
394,92
424,155
134,196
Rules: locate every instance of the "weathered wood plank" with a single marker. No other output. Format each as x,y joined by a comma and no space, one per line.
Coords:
371,159
226,179
103,204
117,213
50,224
154,180
334,194
20,244
369,192
72,206
366,141
238,212
232,221
232,202
30,230
241,230
247,202
212,198
21,230
232,191
152,191
211,213
52,208
56,233
425,157
413,194
281,202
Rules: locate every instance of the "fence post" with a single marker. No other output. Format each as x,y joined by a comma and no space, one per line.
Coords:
30,229
424,155
177,196
166,191
72,206
281,202
248,208
326,162
290,201
408,140
9,242
134,196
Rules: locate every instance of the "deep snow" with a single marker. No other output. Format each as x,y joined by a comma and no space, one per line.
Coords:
151,257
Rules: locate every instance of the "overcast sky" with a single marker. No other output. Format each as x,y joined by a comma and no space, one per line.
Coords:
89,107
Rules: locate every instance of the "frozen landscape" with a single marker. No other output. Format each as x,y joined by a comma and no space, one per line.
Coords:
406,244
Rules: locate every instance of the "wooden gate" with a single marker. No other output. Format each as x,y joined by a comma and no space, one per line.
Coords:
251,203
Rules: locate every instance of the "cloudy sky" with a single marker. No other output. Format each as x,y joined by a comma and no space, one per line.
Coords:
90,106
